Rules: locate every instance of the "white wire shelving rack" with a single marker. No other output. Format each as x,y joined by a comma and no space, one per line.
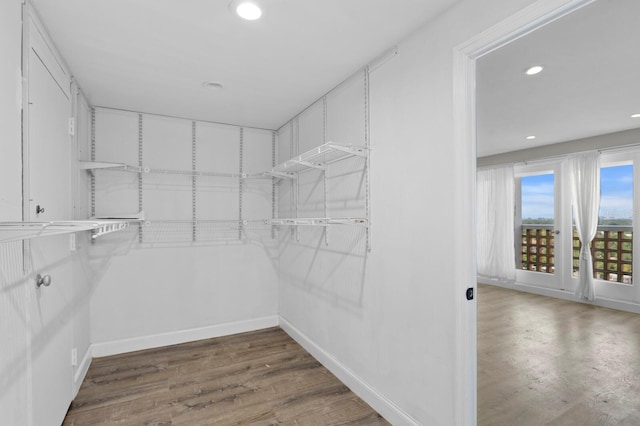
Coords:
16,231
92,166
317,159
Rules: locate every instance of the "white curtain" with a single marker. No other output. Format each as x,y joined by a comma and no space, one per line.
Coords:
584,169
495,203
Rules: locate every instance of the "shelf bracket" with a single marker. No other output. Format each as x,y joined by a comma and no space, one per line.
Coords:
280,175
318,166
358,152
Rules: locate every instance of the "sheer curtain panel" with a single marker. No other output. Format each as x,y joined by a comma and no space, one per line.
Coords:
584,169
495,195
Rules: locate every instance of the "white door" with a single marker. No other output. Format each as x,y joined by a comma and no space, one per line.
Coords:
614,248
51,332
49,188
49,145
539,225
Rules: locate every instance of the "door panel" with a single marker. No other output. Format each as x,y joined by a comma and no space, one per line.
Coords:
51,331
49,145
617,219
49,187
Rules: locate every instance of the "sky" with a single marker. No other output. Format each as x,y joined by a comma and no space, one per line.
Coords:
616,193
537,196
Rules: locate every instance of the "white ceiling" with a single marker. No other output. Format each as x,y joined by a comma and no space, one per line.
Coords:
154,55
590,84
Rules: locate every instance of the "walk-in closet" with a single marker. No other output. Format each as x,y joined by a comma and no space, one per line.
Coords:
246,212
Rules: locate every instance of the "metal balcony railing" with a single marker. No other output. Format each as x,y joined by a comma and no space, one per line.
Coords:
612,251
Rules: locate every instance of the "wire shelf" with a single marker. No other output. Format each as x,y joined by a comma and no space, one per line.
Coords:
317,158
15,231
323,221
92,166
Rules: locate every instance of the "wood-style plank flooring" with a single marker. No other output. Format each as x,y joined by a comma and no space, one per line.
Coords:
257,378
545,361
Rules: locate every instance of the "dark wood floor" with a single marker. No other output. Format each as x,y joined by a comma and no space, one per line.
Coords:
544,361
257,378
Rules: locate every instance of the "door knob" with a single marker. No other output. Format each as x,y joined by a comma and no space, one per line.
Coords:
39,209
43,280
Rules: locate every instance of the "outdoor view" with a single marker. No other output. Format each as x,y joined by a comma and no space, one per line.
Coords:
612,246
537,209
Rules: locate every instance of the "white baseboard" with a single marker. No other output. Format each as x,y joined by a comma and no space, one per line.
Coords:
81,370
370,395
180,336
565,295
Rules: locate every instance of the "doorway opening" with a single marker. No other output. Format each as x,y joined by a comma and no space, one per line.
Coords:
544,253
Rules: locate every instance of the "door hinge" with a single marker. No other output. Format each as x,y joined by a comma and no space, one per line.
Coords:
72,126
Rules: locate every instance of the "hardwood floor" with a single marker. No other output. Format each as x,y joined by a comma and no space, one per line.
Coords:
544,361
257,378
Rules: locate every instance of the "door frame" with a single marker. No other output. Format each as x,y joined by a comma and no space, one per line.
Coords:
537,15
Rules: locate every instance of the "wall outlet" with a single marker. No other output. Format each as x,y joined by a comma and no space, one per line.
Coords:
73,245
74,357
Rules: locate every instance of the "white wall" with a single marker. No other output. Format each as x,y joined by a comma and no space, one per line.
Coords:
10,106
387,318
167,288
14,382
14,332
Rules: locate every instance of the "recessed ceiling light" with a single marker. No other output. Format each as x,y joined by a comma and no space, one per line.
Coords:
247,9
534,70
214,85
529,138
635,116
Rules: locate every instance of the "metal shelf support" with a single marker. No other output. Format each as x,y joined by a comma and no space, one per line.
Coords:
319,221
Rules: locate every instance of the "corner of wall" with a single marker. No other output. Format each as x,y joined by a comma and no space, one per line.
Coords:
358,385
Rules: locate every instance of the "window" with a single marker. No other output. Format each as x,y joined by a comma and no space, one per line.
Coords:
612,247
537,223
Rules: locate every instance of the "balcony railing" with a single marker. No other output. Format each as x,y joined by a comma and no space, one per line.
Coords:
537,252
612,251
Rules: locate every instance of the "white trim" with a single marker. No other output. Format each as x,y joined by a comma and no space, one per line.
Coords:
529,19
81,370
181,336
364,390
44,47
568,295
464,240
